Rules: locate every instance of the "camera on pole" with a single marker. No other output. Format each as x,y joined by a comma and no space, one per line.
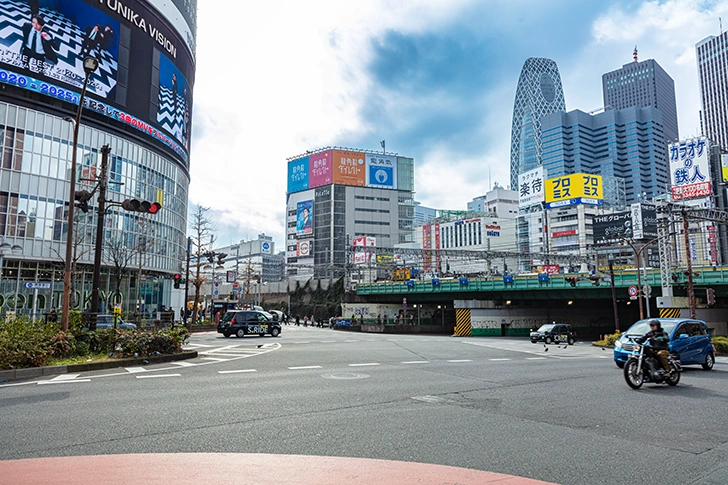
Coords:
136,205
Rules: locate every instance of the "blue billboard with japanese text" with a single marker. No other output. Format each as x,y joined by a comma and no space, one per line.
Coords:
298,174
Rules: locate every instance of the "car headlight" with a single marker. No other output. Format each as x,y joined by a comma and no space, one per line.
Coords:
636,347
618,344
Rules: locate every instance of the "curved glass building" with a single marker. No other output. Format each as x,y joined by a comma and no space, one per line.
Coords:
539,93
139,103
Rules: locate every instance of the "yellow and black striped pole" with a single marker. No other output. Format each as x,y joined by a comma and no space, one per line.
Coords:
462,322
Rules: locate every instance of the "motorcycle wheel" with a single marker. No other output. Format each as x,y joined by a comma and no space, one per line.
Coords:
672,379
634,379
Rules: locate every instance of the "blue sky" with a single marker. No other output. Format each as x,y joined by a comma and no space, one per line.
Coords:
435,79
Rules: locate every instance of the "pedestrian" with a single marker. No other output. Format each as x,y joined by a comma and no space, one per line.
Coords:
379,319
52,315
305,321
411,319
298,321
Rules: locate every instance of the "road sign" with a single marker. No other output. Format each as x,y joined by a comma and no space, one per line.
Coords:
216,293
632,292
236,284
40,285
647,290
217,283
404,304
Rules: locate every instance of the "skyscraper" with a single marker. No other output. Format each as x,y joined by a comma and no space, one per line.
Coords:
539,93
616,144
643,84
712,59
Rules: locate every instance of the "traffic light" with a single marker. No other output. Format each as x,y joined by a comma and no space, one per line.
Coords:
221,258
177,278
82,197
136,205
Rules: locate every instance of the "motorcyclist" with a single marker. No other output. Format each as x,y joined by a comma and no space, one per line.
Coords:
659,340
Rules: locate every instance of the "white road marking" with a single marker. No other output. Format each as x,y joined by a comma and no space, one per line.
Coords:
460,360
328,341
349,341
496,360
64,377
182,363
536,358
134,370
431,399
239,371
215,359
159,375
64,381
416,362
363,365
220,354
305,367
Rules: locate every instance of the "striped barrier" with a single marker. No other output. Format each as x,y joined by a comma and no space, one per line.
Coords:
462,322
669,313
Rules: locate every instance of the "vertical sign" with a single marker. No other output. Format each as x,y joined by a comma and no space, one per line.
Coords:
689,169
320,169
531,187
637,227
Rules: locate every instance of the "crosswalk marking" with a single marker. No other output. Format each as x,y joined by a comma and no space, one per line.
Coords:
134,370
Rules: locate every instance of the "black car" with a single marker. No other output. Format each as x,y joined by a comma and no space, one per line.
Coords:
554,333
248,322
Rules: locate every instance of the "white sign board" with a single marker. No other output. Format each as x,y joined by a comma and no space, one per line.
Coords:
531,187
690,169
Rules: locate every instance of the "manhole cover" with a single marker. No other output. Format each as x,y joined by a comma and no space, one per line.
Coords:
345,376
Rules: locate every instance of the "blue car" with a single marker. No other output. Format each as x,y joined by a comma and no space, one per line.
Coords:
690,339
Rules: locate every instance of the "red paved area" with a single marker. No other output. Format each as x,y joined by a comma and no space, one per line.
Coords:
231,468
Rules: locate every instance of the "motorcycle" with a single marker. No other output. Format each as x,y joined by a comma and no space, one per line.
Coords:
643,366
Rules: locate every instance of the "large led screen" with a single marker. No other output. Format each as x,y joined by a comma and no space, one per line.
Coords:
44,42
304,218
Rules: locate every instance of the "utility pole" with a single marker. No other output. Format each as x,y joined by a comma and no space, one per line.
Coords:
187,281
691,288
614,294
103,181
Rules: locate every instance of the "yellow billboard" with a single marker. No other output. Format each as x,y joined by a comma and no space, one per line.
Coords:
577,188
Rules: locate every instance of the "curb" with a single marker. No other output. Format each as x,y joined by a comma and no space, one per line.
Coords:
31,372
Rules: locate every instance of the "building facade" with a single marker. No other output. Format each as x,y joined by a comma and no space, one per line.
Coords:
338,195
626,145
539,93
499,202
712,60
139,103
423,214
643,84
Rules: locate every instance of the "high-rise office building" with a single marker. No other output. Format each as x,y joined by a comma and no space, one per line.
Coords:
616,144
712,61
643,84
336,196
539,93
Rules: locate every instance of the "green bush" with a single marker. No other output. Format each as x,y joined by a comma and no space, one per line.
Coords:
25,342
151,343
721,344
609,339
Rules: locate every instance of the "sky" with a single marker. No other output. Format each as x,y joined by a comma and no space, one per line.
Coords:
436,79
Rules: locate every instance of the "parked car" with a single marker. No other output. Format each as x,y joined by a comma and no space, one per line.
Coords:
690,339
554,333
107,321
248,322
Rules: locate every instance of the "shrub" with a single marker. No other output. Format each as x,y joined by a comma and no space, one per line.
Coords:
609,339
165,341
25,342
721,344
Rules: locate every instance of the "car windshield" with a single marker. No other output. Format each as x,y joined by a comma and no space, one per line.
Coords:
228,316
546,328
643,326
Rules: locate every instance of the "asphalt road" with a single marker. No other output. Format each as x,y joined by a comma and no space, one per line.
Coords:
494,404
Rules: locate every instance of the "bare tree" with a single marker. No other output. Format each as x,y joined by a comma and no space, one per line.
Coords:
119,256
201,227
144,243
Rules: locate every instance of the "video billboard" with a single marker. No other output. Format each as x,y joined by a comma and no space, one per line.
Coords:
44,42
320,169
689,169
608,228
298,175
304,218
349,168
577,188
175,103
381,171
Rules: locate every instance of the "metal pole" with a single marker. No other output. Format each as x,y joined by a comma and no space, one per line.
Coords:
638,265
691,289
71,200
614,295
647,296
187,281
95,304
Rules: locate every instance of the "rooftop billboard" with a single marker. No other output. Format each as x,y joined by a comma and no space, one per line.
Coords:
577,188
689,169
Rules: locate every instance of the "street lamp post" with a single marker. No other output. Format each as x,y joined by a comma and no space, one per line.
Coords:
614,293
90,64
638,265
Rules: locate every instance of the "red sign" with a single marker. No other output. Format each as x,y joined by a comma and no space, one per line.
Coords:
564,233
236,284
713,244
551,268
303,248
691,191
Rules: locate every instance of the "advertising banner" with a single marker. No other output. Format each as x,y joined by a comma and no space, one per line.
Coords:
531,187
551,268
364,241
689,169
349,168
320,170
608,227
724,166
644,221
385,258
571,232
381,171
304,218
298,175
303,249
578,188
44,42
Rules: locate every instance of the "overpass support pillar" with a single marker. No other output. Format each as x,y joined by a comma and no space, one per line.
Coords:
462,322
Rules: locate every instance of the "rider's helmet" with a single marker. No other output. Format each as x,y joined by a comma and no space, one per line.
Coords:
655,323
